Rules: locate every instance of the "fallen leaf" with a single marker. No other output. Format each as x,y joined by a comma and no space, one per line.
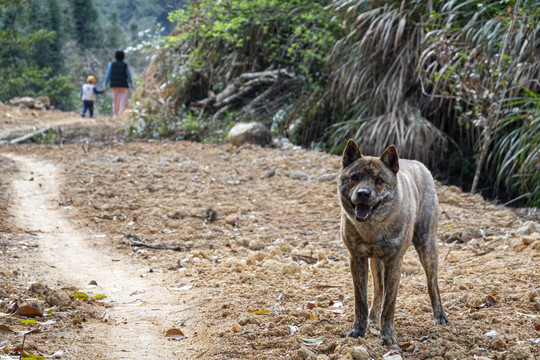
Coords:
236,329
28,321
93,283
537,327
310,342
4,329
80,295
28,311
374,331
99,296
175,334
260,312
312,316
310,305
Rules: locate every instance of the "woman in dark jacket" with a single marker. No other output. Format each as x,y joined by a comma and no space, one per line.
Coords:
120,77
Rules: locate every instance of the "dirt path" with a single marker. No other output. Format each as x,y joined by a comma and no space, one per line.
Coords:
140,305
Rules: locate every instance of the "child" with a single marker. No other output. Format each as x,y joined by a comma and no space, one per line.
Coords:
88,95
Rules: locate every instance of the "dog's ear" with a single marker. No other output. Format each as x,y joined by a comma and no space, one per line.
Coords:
390,158
351,153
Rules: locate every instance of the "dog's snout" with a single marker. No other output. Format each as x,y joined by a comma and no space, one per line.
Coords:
363,194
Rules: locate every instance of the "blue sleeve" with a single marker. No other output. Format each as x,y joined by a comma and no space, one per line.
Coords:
108,75
98,91
130,81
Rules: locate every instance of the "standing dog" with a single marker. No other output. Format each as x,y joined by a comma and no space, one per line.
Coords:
387,204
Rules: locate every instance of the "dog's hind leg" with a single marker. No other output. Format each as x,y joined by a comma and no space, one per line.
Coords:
377,269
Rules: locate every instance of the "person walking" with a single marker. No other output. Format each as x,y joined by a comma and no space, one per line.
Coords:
120,79
88,95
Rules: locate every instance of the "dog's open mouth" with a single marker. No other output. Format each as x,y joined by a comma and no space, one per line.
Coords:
362,212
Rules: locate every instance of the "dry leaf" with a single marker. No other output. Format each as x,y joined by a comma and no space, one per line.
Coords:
175,334
310,342
28,311
4,329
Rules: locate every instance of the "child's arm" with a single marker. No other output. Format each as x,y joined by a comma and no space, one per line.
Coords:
97,91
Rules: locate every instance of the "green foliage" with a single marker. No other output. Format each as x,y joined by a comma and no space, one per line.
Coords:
216,42
296,33
516,154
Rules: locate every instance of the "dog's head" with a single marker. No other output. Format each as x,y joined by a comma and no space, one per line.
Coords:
367,184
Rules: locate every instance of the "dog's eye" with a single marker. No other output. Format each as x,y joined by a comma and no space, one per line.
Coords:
379,181
354,177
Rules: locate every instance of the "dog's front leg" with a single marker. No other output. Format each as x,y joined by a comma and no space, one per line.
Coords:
392,276
359,271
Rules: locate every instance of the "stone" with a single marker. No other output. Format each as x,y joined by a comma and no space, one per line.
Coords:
250,133
528,228
24,101
327,177
291,268
256,244
360,353
272,265
299,175
45,100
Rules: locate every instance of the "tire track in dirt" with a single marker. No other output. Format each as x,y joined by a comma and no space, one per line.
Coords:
134,331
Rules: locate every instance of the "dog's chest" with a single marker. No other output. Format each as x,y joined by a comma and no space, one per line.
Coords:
380,249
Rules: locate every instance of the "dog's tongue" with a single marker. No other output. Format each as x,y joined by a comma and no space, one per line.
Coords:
362,212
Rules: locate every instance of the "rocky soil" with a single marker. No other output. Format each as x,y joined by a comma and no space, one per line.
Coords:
243,246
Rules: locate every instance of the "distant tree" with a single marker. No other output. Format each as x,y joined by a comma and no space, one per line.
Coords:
85,18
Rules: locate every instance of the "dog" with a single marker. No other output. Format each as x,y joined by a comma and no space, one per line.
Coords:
387,203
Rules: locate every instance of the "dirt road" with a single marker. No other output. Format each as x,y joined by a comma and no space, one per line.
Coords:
71,254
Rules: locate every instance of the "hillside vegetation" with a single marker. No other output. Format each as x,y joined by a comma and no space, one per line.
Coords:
50,47
453,84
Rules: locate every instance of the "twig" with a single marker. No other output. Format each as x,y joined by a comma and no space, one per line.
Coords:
135,240
194,306
481,253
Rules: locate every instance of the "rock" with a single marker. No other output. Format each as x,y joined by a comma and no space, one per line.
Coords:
529,228
499,343
528,240
360,353
519,352
298,175
250,133
24,101
269,174
283,143
45,100
327,177
256,244
57,298
291,268
272,265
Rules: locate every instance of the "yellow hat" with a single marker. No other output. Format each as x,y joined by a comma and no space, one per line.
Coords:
91,79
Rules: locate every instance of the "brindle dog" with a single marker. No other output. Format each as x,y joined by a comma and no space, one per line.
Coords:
387,203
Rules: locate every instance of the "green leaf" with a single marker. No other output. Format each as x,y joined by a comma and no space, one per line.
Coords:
80,295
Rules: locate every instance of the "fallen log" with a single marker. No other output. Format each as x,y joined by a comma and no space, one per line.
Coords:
30,136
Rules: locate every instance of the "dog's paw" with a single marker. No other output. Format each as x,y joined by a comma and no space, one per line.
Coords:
355,333
388,340
441,319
